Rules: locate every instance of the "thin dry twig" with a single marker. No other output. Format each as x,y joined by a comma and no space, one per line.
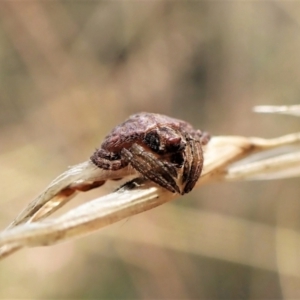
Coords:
293,110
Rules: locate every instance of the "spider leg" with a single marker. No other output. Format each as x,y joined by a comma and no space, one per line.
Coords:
104,160
193,164
188,160
151,167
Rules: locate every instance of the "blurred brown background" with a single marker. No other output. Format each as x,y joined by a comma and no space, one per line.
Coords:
71,70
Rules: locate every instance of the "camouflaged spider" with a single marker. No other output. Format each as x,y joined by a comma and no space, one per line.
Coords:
162,149
159,147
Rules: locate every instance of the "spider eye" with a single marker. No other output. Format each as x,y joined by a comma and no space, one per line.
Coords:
177,159
175,144
152,140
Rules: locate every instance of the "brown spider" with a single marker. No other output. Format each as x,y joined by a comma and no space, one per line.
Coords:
158,147
165,150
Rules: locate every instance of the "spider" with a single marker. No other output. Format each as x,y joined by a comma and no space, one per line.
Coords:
158,147
165,150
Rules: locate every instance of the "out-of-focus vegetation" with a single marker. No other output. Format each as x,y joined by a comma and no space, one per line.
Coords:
71,70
